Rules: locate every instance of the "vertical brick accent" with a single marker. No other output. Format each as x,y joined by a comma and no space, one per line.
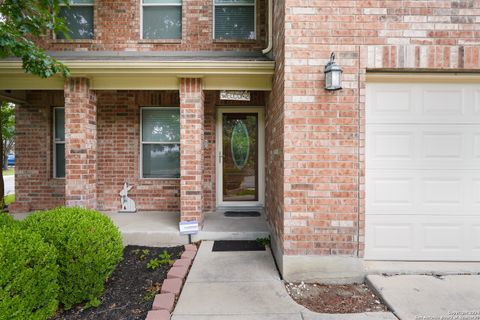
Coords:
80,144
274,133
191,149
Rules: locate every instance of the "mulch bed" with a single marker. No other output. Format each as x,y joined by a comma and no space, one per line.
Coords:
130,291
352,298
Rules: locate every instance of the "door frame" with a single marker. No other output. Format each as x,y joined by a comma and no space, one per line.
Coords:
260,111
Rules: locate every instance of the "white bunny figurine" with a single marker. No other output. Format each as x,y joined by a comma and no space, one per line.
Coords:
128,205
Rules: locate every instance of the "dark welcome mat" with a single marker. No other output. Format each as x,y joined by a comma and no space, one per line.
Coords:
238,245
241,214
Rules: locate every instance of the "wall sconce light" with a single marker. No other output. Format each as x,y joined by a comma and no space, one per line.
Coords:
333,75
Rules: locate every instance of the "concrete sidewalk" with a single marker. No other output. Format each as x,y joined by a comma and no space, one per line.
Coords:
428,297
243,286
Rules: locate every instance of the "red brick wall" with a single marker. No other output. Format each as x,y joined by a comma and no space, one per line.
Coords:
324,131
35,188
119,151
117,28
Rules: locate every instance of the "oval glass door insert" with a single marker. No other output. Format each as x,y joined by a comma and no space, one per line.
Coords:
240,144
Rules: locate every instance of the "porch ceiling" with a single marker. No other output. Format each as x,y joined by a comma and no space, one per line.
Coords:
149,72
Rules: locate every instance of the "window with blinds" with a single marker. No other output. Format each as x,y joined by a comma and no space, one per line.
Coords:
78,17
162,19
234,19
160,139
59,142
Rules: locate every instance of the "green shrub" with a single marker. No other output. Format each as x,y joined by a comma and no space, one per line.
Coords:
89,248
28,275
6,219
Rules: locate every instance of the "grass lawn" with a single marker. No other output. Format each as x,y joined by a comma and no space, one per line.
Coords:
9,199
9,172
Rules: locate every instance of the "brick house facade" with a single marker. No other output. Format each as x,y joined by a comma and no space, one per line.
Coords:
316,163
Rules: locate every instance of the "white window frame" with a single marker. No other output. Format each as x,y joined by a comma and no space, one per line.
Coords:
70,4
169,4
55,142
143,142
236,5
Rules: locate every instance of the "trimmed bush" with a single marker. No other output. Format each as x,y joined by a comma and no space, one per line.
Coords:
89,248
6,219
28,275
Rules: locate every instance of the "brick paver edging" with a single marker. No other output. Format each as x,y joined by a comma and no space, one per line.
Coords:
164,302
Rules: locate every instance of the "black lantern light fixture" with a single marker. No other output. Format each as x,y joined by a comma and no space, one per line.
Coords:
333,75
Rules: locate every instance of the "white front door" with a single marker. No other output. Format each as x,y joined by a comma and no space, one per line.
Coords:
240,156
422,171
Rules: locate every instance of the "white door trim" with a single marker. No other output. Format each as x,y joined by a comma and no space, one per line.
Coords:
261,156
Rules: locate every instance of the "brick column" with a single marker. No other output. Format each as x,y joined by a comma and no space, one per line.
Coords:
80,144
191,149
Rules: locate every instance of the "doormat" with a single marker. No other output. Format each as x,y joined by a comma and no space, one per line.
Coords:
241,214
238,245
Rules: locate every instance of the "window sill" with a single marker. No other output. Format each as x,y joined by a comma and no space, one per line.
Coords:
73,41
159,41
248,41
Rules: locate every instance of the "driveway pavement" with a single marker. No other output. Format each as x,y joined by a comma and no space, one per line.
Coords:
417,297
9,182
244,286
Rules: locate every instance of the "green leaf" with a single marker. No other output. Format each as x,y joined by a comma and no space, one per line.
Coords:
24,21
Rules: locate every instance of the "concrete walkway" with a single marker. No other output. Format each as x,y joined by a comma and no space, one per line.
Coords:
243,286
413,297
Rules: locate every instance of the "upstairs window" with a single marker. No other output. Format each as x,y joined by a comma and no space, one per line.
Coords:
234,19
78,17
162,19
160,139
59,142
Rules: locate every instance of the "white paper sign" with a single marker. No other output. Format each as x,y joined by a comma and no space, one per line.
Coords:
188,227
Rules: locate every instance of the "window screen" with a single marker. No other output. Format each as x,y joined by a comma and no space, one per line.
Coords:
160,143
78,17
59,142
162,19
235,19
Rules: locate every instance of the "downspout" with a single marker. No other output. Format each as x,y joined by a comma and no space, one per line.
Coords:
270,28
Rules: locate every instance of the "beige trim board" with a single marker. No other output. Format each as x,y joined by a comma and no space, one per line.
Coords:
420,77
147,75
126,82
25,81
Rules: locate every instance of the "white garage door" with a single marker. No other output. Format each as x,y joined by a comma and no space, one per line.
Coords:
422,171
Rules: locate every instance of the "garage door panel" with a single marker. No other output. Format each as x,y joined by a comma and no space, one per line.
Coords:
422,103
422,171
423,146
423,237
475,236
434,237
476,100
447,192
443,144
397,237
440,101
442,191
